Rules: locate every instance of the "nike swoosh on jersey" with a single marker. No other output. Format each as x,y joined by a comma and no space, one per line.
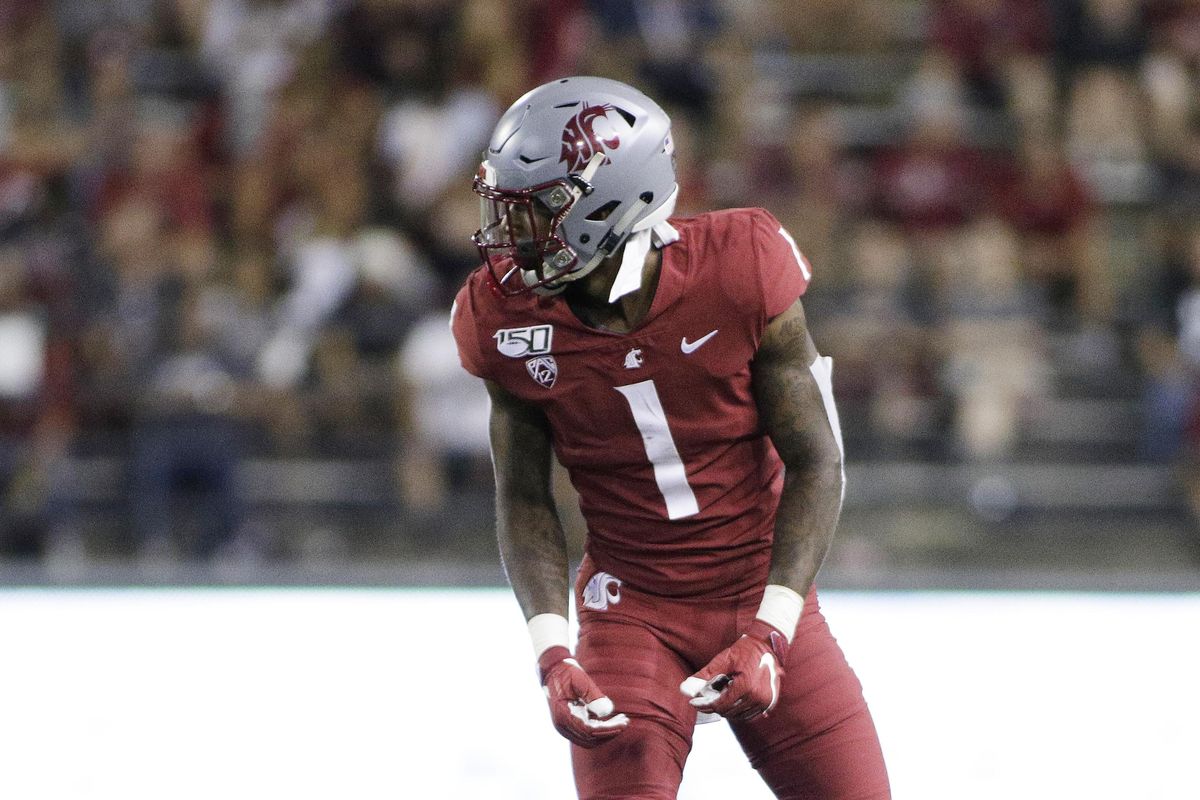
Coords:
691,347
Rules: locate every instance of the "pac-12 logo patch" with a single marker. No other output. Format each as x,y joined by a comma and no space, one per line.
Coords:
601,589
521,342
543,369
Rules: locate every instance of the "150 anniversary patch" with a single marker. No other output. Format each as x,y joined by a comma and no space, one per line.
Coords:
520,342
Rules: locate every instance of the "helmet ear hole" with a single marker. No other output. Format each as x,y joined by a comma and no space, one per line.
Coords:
603,212
629,117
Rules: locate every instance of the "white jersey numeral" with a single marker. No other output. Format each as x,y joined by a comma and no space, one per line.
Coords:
669,473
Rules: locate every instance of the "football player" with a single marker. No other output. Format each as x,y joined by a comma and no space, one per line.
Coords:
668,364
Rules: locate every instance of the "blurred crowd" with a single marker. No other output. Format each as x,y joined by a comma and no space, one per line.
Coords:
230,230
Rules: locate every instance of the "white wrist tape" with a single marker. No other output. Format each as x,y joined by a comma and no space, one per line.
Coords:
546,631
781,607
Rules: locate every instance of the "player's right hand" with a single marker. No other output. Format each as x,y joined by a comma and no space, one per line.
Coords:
743,680
579,709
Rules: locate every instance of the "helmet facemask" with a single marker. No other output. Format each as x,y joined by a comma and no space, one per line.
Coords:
519,236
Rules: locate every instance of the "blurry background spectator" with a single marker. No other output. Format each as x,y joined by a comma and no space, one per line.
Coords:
230,231
446,418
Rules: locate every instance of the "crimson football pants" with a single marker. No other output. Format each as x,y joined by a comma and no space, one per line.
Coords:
819,743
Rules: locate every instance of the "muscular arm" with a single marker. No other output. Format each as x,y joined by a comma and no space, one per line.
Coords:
533,548
794,415
744,679
534,552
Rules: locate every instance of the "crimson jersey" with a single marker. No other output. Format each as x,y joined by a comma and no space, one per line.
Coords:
658,427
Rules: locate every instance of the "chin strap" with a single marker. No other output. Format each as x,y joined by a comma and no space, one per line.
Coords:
653,231
581,186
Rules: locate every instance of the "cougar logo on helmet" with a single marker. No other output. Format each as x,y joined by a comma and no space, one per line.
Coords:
581,140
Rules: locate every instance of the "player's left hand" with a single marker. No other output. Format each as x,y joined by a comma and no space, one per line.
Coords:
744,679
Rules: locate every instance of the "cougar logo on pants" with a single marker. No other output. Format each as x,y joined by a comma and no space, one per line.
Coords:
601,590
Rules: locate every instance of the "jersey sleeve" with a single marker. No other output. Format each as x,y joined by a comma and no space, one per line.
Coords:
783,272
466,333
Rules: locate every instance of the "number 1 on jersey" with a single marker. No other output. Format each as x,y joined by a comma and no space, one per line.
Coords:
669,473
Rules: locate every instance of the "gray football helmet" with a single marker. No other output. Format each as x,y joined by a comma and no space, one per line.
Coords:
572,169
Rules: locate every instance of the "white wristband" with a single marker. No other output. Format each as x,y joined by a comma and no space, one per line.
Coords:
781,607
546,631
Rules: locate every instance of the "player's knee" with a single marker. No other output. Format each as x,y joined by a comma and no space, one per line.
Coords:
645,762
842,763
652,793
